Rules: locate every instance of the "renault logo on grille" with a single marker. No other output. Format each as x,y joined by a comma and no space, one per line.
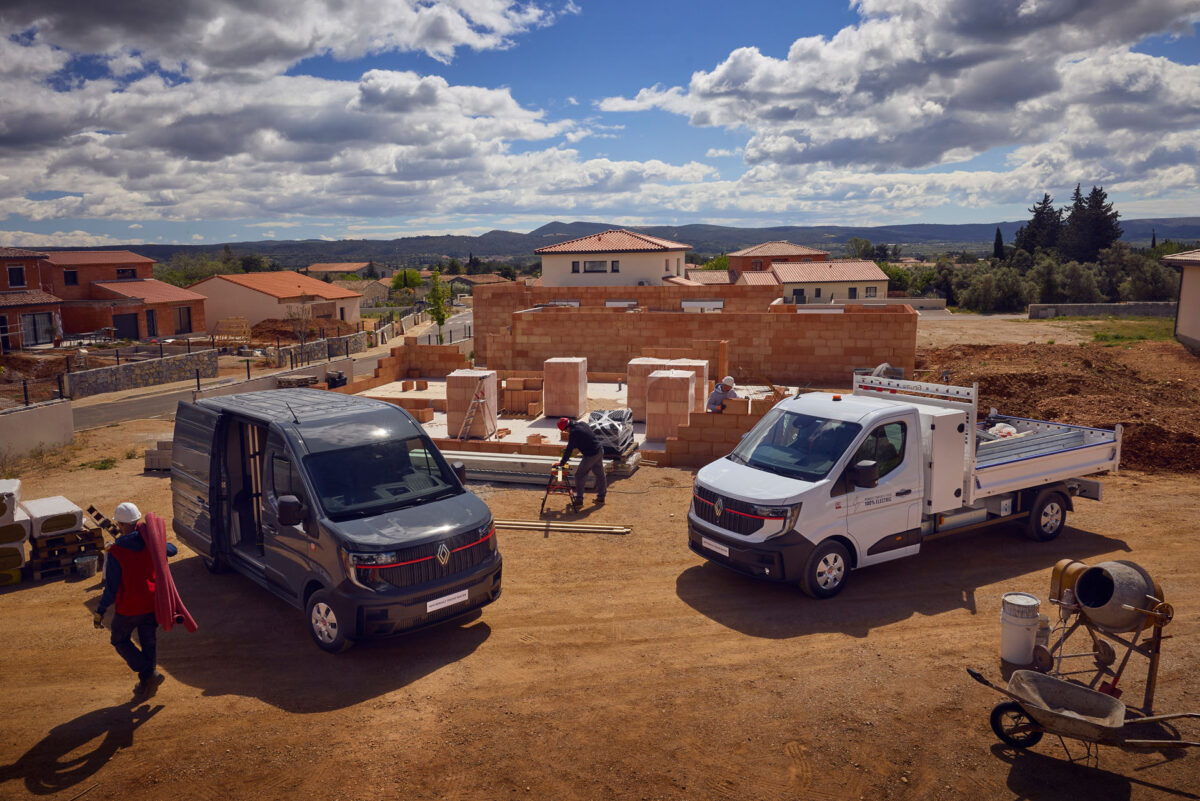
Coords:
718,507
443,554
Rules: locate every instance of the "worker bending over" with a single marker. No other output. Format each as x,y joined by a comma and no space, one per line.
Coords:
723,392
592,459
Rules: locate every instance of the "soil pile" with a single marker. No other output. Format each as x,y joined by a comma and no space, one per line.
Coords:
1151,388
268,331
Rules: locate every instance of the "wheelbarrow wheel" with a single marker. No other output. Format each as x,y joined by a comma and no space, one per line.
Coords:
1010,723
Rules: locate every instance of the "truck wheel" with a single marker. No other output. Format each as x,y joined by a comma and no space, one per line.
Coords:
324,625
1047,517
215,564
1013,726
825,574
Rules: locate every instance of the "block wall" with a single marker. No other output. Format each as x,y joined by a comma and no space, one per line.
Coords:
790,349
564,388
707,437
669,398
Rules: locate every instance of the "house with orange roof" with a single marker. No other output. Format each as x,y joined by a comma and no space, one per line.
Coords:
612,258
332,271
275,296
28,314
710,277
760,257
374,291
838,281
159,309
74,276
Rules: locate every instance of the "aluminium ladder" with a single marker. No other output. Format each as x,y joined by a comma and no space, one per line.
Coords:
478,401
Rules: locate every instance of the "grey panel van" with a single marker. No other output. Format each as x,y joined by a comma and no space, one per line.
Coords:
340,505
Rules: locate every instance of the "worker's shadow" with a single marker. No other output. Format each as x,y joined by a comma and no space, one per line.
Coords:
77,749
1037,777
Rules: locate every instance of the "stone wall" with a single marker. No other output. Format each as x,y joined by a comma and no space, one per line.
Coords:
318,369
818,348
1040,311
320,349
82,383
43,426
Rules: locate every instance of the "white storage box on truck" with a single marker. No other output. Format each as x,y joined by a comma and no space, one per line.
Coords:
827,483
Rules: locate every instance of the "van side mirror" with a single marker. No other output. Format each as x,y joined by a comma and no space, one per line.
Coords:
460,470
865,474
291,511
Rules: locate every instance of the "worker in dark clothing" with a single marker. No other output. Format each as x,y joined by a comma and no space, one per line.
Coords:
129,576
592,461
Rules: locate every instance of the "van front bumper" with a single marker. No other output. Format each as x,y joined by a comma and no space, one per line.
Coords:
781,558
385,615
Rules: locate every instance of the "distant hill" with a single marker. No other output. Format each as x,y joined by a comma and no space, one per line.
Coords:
918,239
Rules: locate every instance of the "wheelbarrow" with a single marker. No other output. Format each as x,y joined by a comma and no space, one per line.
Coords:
1044,704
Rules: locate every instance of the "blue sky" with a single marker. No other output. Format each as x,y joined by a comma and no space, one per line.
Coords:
224,121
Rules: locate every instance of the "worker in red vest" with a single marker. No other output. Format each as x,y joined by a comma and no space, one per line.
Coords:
129,576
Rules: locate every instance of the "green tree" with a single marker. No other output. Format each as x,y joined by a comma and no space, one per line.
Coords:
183,269
1091,226
507,271
1079,284
717,263
1043,230
996,290
253,264
1046,279
857,248
998,245
899,279
438,300
455,267
1149,280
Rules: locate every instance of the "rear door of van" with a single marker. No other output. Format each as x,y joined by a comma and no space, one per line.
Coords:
195,487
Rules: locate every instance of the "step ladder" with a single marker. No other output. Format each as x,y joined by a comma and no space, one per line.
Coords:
477,402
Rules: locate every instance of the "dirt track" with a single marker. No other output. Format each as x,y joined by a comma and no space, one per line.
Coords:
612,667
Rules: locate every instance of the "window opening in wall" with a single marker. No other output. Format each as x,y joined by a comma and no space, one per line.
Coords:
620,304
871,291
817,292
616,266
852,293
595,266
16,276
70,278
183,320
572,303
574,266
151,323
126,272
703,305
756,265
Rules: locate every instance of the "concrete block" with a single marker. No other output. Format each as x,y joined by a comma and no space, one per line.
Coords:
10,499
669,398
53,515
461,386
636,371
17,530
406,386
424,415
422,385
737,406
700,368
514,383
564,391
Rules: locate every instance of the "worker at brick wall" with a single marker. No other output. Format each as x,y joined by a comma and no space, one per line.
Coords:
129,576
582,438
721,393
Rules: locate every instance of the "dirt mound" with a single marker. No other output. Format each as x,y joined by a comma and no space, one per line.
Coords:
1151,388
268,331
41,366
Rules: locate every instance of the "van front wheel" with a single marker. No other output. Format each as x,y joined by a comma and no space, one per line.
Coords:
324,625
827,569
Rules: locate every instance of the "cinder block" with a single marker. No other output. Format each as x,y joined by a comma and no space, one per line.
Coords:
424,415
535,439
564,391
636,371
514,383
422,385
700,368
737,406
461,386
669,398
413,372
406,386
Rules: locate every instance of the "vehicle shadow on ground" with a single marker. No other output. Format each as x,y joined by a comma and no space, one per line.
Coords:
942,577
252,644
1037,777
59,760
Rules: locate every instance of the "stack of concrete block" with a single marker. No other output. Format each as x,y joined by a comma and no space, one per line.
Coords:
636,372
522,396
669,398
14,532
51,516
461,386
700,368
564,390
159,458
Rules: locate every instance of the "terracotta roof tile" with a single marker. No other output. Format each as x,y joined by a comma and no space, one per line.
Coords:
841,270
284,285
678,281
18,253
149,290
33,298
756,278
481,278
69,258
1180,259
779,248
614,241
338,267
709,276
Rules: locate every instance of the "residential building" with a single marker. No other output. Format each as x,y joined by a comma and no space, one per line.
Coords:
613,258
335,270
466,283
710,277
374,292
144,308
75,276
841,281
760,257
749,278
1187,312
275,296
28,315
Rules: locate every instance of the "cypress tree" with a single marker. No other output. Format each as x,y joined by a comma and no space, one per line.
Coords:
998,245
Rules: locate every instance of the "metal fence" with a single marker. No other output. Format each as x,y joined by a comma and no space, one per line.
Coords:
27,392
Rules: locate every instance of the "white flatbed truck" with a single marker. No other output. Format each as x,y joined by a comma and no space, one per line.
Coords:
826,483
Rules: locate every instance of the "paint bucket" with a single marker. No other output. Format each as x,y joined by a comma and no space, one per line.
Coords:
1019,612
87,565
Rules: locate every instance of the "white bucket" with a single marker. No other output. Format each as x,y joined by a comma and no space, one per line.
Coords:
1019,612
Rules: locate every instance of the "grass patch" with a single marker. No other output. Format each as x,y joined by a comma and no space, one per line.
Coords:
1127,330
131,453
107,463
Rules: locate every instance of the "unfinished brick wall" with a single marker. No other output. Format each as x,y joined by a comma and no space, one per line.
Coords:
564,389
411,360
792,349
707,437
669,398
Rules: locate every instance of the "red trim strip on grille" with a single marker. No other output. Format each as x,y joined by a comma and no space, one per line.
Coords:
485,538
735,512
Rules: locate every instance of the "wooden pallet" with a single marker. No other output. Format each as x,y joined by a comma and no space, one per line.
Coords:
67,551
89,536
39,574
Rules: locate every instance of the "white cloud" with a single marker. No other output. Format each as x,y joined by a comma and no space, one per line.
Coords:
722,152
197,237
135,226
61,239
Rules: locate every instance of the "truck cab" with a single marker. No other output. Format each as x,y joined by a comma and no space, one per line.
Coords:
342,506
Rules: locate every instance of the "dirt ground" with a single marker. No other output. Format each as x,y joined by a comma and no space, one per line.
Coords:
612,667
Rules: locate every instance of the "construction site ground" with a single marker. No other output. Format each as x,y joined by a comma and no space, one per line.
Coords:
618,667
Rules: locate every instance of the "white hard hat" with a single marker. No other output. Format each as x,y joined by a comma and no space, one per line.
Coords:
127,513
728,381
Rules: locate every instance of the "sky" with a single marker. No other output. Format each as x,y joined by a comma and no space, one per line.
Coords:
211,121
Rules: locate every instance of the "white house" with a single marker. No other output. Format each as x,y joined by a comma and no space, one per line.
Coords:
273,296
612,258
1187,313
840,281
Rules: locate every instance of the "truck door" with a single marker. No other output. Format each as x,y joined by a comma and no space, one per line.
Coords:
195,485
885,521
287,549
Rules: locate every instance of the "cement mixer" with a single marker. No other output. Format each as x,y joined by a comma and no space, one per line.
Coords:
1114,603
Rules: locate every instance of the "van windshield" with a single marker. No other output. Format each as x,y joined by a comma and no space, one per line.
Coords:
380,476
795,445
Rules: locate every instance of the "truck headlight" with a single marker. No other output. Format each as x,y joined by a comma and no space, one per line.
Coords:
788,513
363,568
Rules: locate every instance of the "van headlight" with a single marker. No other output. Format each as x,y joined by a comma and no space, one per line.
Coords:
788,513
363,568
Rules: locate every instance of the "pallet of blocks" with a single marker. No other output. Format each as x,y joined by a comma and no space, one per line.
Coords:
57,537
231,330
158,459
14,532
